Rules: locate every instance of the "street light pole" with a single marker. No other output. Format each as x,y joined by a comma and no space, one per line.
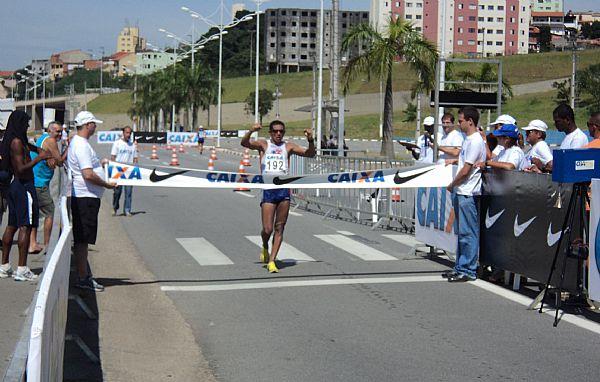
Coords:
320,84
257,62
101,67
220,76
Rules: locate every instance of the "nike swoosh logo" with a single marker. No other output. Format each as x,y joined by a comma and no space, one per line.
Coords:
160,138
490,220
403,179
154,177
520,228
278,181
552,238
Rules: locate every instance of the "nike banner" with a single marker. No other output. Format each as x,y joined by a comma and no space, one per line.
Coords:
520,226
594,268
405,177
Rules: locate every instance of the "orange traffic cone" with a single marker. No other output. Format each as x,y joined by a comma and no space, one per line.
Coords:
241,170
213,154
246,159
154,155
181,149
174,159
396,195
211,165
168,148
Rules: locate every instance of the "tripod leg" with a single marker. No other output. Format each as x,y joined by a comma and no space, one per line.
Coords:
560,240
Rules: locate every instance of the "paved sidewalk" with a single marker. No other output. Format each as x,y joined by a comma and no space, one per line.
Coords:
139,333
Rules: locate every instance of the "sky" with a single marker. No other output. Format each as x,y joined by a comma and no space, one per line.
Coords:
35,28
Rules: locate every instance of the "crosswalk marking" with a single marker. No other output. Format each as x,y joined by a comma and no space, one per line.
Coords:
355,248
295,213
407,240
287,253
203,251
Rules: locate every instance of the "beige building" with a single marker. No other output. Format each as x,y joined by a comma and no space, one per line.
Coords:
129,40
124,61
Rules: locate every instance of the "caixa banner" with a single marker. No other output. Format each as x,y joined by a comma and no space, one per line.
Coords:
435,223
187,139
594,268
108,136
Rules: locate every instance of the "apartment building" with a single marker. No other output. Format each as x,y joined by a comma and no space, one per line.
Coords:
64,63
129,40
469,27
292,37
549,13
149,62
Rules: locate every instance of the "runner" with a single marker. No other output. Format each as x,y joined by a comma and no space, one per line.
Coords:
275,205
200,139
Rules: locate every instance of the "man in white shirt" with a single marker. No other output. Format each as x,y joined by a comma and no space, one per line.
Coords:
124,151
423,151
88,187
512,156
564,120
451,141
465,189
540,154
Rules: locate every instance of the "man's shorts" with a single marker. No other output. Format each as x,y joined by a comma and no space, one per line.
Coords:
45,201
23,207
85,219
275,196
200,141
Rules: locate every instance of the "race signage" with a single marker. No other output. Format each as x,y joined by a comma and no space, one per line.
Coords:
108,136
594,268
435,223
408,177
186,139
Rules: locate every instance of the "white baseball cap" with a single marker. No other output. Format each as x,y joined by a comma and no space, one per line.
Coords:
536,124
504,119
84,117
429,121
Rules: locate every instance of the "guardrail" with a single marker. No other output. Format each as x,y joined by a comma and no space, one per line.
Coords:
392,209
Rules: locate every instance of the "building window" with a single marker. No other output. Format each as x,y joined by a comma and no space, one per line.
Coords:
312,46
283,34
418,29
459,42
460,6
313,14
482,7
471,42
500,7
513,8
294,23
272,45
313,35
471,30
293,34
283,23
490,7
408,5
499,31
460,30
293,56
304,24
294,13
512,43
512,20
272,23
283,13
314,25
344,25
272,34
472,18
498,43
481,19
293,45
489,43
304,14
418,17
303,45
419,5
303,56
472,7
272,13
282,44
490,19
408,17
460,18
283,55
490,31
500,19
304,35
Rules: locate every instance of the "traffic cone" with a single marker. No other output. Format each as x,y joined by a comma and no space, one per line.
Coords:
154,155
396,195
246,159
168,148
174,159
213,154
181,149
241,170
211,165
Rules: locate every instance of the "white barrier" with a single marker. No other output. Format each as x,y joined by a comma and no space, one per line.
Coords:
47,338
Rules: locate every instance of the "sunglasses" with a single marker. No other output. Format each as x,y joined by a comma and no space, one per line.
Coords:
275,131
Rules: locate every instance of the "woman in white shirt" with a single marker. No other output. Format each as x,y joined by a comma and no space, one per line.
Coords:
540,154
511,157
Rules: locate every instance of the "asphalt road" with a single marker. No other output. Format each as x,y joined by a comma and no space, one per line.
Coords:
355,306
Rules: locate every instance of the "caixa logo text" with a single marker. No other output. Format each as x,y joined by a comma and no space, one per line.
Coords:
109,136
124,172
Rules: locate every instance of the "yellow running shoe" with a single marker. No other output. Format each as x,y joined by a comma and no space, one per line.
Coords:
272,268
264,256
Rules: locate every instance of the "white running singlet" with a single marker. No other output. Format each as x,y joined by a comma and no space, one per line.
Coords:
275,160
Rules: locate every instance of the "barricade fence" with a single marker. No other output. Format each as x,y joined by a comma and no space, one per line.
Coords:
389,208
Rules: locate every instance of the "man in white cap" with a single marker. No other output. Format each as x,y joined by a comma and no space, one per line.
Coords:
422,151
88,187
502,120
540,154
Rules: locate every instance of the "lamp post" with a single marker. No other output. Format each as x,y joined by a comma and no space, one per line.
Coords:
257,62
221,27
320,84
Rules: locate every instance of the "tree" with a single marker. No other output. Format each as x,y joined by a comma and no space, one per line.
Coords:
265,102
588,82
545,39
563,91
410,113
486,73
401,41
591,30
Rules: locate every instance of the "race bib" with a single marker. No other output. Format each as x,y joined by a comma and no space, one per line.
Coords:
275,163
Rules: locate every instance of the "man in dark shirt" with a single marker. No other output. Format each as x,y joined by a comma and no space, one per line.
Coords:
22,198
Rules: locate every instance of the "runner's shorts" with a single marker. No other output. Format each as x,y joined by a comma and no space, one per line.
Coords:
201,141
45,201
85,219
23,207
275,196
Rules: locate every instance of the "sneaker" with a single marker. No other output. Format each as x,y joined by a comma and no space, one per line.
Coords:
89,283
5,272
114,213
128,214
26,275
264,256
272,268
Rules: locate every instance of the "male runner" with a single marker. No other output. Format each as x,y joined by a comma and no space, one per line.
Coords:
275,205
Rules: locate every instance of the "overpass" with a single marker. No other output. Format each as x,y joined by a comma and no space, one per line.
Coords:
66,107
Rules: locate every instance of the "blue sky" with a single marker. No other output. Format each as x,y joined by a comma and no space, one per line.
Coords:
35,28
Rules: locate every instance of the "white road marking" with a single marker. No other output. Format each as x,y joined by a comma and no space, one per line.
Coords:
345,233
164,163
526,301
302,283
407,240
245,193
203,251
287,253
295,213
355,248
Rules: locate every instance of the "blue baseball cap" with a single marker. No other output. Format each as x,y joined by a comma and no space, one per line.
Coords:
508,130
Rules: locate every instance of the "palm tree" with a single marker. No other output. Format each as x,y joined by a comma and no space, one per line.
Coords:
200,90
400,41
486,73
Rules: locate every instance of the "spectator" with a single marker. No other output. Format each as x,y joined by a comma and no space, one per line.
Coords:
423,152
593,125
43,173
540,154
22,198
465,189
123,151
5,178
504,119
451,140
88,187
564,121
511,156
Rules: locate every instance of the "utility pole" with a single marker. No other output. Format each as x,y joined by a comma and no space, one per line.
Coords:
335,72
101,67
573,70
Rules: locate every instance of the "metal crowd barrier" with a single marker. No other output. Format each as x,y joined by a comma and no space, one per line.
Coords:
390,209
